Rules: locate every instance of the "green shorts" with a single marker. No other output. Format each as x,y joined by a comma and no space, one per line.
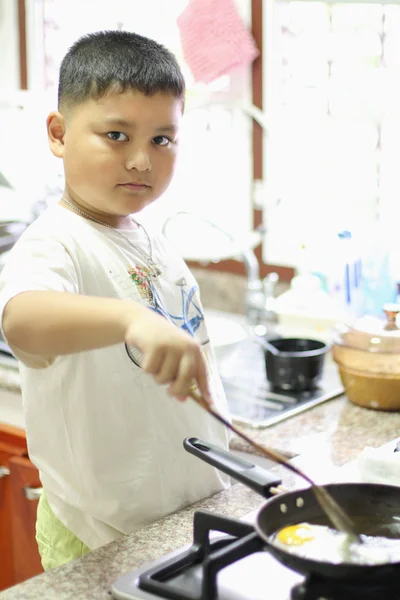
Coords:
57,545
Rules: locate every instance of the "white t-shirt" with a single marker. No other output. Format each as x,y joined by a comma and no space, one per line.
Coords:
107,440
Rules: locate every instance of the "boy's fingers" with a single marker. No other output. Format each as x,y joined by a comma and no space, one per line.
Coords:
179,398
153,363
184,377
167,372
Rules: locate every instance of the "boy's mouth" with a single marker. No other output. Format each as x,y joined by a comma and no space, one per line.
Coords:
134,185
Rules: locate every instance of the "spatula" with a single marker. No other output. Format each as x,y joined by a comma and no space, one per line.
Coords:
338,517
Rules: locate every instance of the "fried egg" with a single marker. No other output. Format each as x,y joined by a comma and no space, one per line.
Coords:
321,543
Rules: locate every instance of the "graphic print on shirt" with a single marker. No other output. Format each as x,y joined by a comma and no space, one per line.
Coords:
141,278
190,316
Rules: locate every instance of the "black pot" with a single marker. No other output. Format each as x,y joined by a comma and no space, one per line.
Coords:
298,366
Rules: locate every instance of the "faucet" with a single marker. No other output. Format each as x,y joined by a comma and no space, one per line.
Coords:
258,294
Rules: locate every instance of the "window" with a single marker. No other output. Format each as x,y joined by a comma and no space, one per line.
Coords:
331,89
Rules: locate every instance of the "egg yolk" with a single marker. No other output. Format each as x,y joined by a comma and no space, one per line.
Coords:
296,535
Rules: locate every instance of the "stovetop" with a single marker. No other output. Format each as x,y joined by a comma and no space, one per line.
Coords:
236,566
247,579
253,403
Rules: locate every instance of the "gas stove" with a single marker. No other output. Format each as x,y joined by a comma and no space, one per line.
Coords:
235,566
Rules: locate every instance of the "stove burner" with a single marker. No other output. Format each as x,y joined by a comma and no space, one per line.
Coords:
321,588
169,580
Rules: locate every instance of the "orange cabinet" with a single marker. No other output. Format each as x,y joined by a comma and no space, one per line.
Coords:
19,493
7,575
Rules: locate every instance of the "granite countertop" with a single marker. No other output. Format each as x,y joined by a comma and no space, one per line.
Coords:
337,429
336,432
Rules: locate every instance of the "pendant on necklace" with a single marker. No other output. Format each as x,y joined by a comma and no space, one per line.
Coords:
155,270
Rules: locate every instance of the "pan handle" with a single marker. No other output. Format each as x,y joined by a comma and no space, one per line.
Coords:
255,477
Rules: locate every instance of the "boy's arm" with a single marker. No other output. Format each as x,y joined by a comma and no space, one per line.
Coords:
50,323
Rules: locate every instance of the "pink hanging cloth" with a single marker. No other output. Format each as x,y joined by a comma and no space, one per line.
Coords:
214,39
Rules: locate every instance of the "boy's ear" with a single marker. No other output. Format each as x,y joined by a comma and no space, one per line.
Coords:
55,132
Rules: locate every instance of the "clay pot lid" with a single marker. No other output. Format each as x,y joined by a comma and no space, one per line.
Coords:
371,333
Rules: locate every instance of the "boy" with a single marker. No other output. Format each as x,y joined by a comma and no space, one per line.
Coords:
85,279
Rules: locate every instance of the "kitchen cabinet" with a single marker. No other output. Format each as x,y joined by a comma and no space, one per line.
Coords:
7,576
19,492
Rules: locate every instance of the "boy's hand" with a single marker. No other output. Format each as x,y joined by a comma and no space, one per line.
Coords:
170,355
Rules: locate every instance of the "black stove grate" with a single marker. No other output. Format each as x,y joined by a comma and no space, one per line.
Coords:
210,556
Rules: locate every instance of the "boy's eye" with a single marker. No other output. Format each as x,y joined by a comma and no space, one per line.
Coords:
117,136
161,140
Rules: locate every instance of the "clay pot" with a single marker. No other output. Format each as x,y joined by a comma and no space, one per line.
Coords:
368,356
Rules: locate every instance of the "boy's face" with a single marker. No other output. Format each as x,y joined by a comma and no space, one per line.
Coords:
119,151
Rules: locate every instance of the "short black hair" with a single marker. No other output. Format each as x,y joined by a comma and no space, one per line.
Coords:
106,60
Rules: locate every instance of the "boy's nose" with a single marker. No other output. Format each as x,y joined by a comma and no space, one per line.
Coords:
139,160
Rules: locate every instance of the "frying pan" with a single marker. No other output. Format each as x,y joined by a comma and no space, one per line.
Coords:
359,499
